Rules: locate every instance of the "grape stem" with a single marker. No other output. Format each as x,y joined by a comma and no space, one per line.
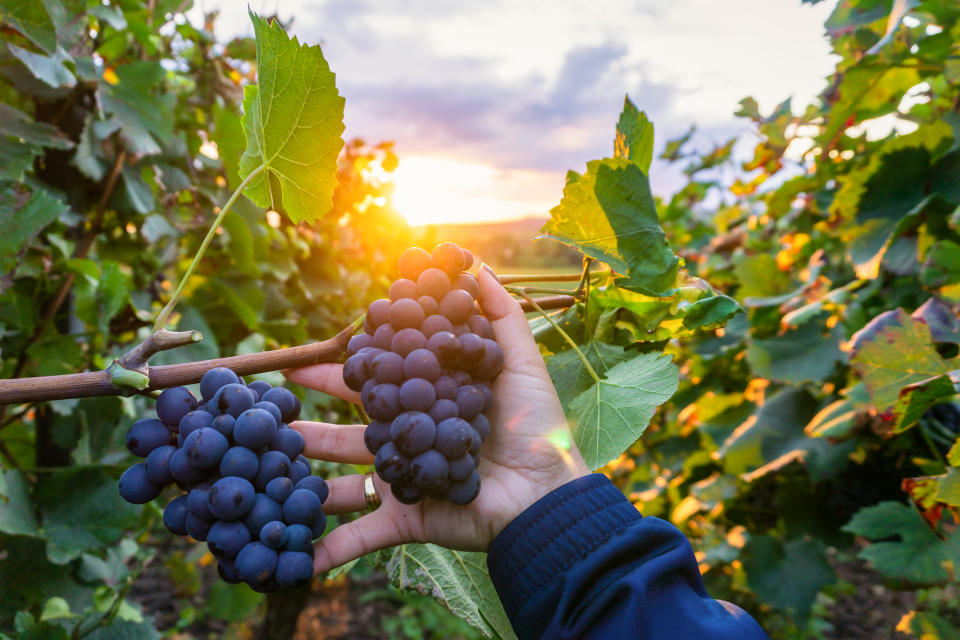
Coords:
533,303
168,309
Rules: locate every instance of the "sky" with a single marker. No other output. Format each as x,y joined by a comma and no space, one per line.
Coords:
490,103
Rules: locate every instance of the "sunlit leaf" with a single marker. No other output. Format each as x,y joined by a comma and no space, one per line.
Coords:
634,136
839,419
570,375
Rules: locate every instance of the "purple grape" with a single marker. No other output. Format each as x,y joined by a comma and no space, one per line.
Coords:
413,262
286,401
406,340
274,534
157,465
183,471
413,432
429,469
316,484
272,409
299,470
468,283
429,306
231,498
214,379
383,402
175,515
279,489
294,569
379,312
454,438
224,424
392,465
256,563
302,507
254,429
469,401
434,283
197,528
472,350
146,435
406,314
421,363
446,347
492,362
299,538
406,494
446,388
273,464
262,511
358,342
198,501
449,257
354,372
462,467
239,462
376,435
456,306
233,399
417,394
289,442
259,387
433,324
174,403
383,337
226,539
481,425
388,367
135,487
443,409
402,289
205,447
480,326
465,491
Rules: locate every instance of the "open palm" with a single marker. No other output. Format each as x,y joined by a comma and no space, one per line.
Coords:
529,453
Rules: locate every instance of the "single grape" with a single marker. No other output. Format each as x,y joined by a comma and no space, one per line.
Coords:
294,569
446,387
273,464
192,421
319,526
383,336
454,438
302,507
358,342
472,350
413,261
316,484
289,442
413,432
465,491
279,489
205,447
443,409
434,283
429,469
480,326
383,402
224,424
198,501
272,409
467,282
460,377
421,363
259,387
475,445
256,563
227,569
481,425
183,471
299,470
286,401
449,257
175,515
492,362
254,429
417,394
406,314
392,465
262,511
446,347
214,379
354,372
174,403
456,306
376,435
233,399
299,538
379,312
135,487
467,259
146,435
231,498
403,288
239,462
406,340
462,467
433,324
429,305
197,528
158,465
388,367
460,329
469,401
487,396
406,494
274,534
226,539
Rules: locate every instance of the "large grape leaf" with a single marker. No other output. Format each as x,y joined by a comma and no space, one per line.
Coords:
787,575
16,508
941,265
21,127
456,579
30,18
634,139
914,399
943,322
293,119
615,411
808,353
140,110
570,375
23,214
838,419
609,214
50,70
918,555
892,351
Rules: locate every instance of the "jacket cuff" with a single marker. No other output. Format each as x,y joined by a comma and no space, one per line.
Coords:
553,534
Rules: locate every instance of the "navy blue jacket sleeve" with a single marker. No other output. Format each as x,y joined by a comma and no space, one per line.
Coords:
583,563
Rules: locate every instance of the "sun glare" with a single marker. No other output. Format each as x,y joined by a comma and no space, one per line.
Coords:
435,190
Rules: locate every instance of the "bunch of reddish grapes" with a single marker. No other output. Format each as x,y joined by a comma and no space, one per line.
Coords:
424,367
248,490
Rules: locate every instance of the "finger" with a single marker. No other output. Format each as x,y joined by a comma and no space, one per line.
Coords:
347,494
327,378
510,326
334,442
355,539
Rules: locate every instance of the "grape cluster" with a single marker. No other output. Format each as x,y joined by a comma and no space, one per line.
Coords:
249,492
423,367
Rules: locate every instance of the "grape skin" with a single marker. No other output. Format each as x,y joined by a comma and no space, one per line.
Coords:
256,563
175,515
449,257
406,314
382,401
417,394
226,539
434,283
146,435
433,324
174,403
413,262
457,306
421,363
388,367
135,487
413,432
379,312
231,498
294,569
214,379
403,288
406,340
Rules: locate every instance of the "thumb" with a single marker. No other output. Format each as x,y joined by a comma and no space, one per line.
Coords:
510,328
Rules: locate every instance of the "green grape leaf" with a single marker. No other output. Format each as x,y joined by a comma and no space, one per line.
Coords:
787,575
293,119
615,411
865,92
710,313
23,214
838,419
48,69
892,351
941,264
570,376
761,282
20,126
948,489
81,511
27,577
634,139
914,399
943,322
120,629
456,579
139,107
609,214
30,18
808,353
16,508
919,556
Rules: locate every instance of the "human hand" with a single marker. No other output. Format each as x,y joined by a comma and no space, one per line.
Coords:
523,460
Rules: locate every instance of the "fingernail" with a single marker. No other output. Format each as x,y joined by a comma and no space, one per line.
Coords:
490,270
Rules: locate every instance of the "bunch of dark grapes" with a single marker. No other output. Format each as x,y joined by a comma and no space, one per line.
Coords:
424,366
249,492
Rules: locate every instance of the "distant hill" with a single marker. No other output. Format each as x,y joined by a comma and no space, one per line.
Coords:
504,244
